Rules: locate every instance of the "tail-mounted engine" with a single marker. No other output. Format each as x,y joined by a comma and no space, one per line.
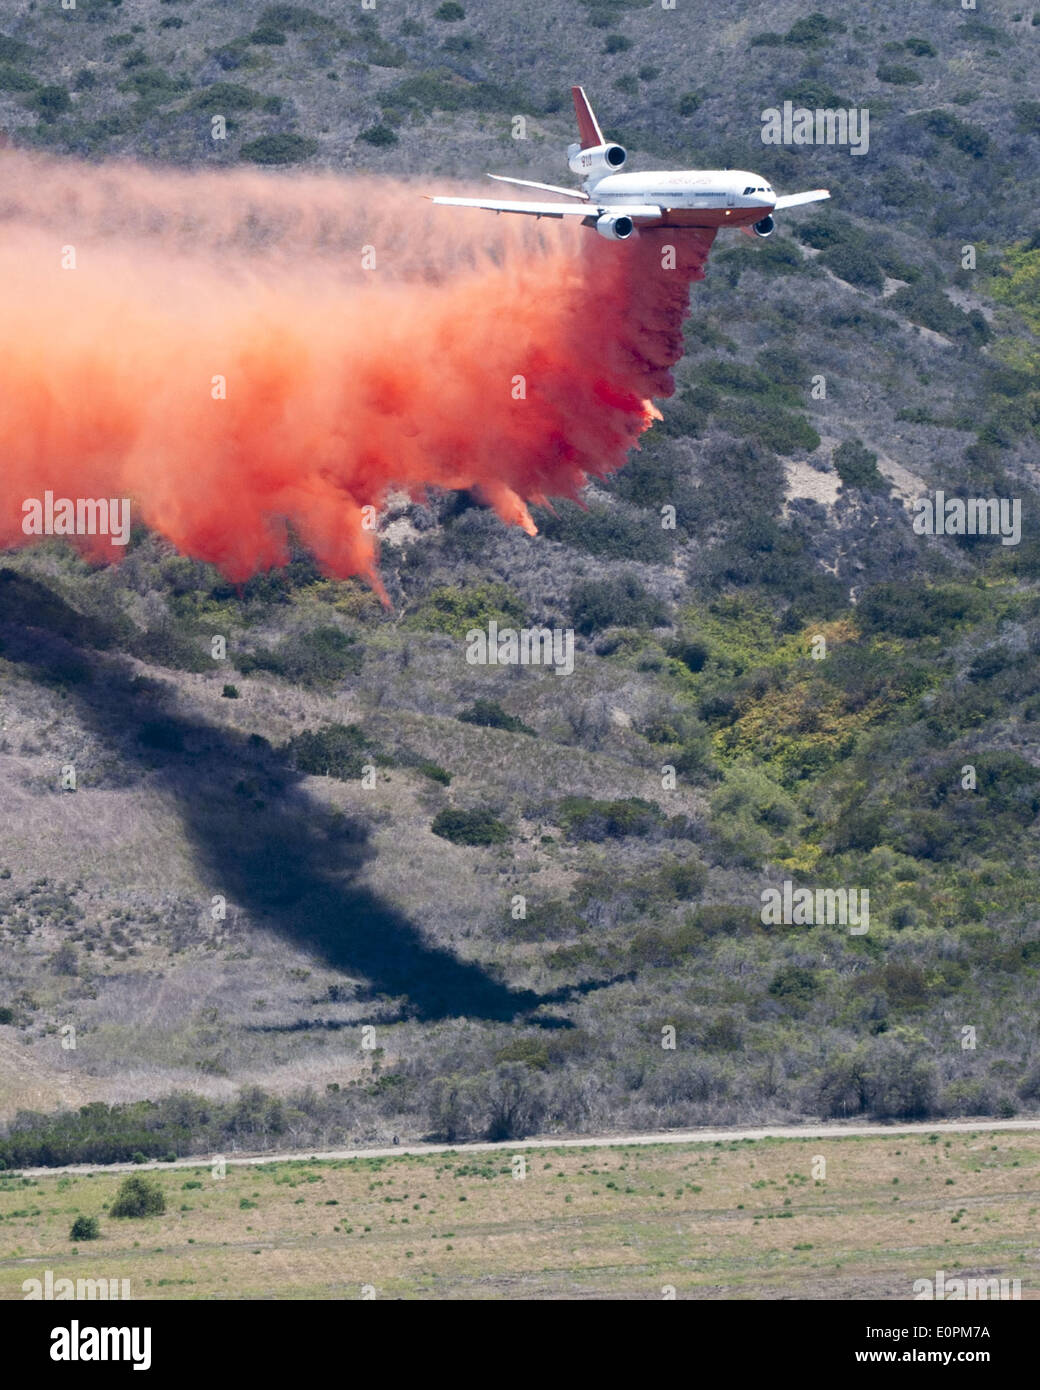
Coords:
596,161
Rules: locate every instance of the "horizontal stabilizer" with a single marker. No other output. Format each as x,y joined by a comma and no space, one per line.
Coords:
794,200
545,187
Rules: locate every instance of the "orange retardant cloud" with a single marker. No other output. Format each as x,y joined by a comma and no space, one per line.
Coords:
367,342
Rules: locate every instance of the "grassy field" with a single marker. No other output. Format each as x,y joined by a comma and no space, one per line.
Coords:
747,1219
212,921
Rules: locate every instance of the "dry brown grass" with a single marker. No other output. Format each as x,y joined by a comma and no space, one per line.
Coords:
742,1220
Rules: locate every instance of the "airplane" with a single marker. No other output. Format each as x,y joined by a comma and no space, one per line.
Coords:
617,204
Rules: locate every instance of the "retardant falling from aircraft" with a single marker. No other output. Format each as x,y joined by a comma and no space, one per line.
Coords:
368,341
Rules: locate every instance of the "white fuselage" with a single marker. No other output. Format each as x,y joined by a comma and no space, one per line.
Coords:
690,197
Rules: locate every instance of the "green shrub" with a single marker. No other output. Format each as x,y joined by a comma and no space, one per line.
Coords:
138,1197
456,610
611,531
171,644
826,230
689,104
898,75
489,714
777,256
928,306
15,80
978,29
685,416
623,602
736,378
813,30
51,101
1027,117
894,609
794,984
813,94
856,265
587,819
380,135
293,18
334,750
899,1085
783,365
769,425
279,149
11,50
267,34
469,827
434,771
857,467
969,139
224,97
450,12
617,43
685,879
747,792
85,1228
319,656
532,1052
154,87
553,920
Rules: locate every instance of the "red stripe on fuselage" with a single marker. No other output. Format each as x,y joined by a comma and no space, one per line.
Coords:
707,217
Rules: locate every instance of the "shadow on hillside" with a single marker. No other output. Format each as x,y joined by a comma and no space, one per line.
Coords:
260,840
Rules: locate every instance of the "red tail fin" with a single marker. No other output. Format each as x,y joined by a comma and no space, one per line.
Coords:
588,126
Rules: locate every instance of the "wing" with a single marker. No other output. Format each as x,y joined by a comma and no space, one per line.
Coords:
545,187
641,212
794,200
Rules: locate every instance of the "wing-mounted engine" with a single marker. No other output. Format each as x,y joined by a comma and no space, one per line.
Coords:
615,226
596,161
765,227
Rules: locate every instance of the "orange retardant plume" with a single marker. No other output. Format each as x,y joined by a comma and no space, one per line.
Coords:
243,353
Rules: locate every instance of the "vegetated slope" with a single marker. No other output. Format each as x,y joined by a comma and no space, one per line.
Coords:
238,786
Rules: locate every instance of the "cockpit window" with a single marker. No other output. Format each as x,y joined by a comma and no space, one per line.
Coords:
747,191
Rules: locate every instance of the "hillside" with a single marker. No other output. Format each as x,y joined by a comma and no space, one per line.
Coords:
395,901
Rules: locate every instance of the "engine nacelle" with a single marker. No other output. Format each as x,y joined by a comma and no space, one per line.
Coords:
596,161
615,226
766,227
